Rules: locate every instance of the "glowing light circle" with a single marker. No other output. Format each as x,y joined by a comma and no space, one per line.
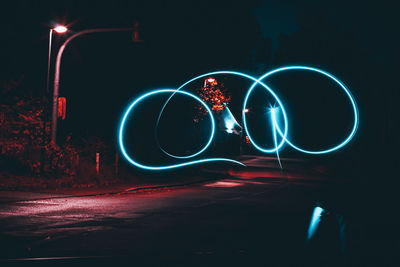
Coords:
152,93
345,89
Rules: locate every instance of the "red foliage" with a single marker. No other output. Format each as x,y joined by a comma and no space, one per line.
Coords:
214,94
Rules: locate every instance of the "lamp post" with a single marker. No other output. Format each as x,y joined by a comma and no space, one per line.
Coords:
57,71
246,110
58,29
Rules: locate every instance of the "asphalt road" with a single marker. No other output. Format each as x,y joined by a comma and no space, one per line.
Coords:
247,220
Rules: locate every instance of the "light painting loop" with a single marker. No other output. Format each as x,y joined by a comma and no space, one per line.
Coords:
276,128
342,86
152,93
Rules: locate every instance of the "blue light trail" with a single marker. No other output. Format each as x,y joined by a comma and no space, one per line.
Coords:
276,128
165,167
342,86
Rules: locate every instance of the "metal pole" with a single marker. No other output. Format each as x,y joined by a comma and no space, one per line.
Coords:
44,102
57,73
97,163
48,62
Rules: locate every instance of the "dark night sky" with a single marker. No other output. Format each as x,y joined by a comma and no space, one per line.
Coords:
102,72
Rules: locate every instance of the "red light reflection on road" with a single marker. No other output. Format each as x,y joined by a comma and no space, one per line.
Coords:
224,184
255,174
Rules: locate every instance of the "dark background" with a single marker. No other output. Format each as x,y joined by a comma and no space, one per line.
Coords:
102,73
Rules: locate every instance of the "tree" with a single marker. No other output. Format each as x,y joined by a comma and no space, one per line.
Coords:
215,95
21,132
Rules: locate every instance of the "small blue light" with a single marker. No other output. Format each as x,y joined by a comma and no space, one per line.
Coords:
229,120
315,219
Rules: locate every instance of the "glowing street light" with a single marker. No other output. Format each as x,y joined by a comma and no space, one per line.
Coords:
60,29
57,29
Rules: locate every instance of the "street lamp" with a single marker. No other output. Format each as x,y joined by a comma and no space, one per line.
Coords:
58,65
58,29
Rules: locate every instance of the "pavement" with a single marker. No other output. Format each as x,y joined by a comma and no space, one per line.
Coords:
213,223
256,167
245,218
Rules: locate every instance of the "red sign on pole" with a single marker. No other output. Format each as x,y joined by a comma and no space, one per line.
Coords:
62,107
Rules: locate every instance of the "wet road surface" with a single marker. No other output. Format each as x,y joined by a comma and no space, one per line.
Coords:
239,221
